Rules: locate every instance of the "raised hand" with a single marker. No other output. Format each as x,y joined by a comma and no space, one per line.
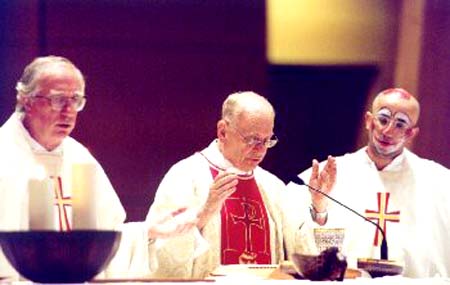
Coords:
222,187
323,180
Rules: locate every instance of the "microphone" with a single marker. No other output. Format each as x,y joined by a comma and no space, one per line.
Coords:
383,249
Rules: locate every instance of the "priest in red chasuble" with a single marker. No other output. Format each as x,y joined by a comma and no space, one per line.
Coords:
240,209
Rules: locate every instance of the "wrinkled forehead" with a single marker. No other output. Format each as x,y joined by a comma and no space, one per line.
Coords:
62,78
397,101
256,117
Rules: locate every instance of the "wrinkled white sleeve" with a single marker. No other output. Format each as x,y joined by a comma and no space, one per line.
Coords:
298,224
135,257
179,188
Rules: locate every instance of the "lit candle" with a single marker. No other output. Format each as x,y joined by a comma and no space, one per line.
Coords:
40,204
84,189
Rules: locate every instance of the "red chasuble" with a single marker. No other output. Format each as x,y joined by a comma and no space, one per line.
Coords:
245,226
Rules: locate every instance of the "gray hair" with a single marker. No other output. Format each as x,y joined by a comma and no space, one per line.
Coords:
246,101
28,82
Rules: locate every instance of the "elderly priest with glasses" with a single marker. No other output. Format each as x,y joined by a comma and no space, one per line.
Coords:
35,143
240,213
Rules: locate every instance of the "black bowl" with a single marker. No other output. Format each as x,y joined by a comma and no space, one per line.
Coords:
59,257
330,264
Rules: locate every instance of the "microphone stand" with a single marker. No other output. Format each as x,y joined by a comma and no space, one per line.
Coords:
383,249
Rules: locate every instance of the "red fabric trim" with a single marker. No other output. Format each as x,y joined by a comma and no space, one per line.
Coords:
62,203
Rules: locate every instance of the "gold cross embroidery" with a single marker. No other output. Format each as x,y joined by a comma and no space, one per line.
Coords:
382,215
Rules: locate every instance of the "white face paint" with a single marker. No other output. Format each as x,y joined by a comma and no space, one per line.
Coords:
386,149
400,121
388,134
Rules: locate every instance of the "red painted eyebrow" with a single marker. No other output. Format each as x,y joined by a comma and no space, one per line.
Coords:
403,93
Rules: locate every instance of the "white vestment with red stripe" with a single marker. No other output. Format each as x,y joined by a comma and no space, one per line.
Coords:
413,195
21,158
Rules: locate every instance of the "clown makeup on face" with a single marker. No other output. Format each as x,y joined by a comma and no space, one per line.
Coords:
388,135
390,125
400,121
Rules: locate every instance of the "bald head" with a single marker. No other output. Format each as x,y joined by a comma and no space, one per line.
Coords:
246,129
247,102
400,100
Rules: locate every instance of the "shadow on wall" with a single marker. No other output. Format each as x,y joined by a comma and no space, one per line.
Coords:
319,112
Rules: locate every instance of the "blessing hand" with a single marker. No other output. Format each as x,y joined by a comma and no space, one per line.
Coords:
323,180
223,186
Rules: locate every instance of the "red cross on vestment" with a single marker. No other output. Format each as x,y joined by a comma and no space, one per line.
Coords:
62,203
245,230
382,216
249,219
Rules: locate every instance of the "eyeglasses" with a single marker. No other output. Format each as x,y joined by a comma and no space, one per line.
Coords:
399,125
58,102
253,141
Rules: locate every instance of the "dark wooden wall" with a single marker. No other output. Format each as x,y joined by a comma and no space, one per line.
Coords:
157,73
158,70
319,111
434,84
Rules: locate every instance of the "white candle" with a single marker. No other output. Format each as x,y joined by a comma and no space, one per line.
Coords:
84,196
40,204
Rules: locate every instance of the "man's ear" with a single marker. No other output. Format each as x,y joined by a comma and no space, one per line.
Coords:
368,119
221,129
412,133
24,101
